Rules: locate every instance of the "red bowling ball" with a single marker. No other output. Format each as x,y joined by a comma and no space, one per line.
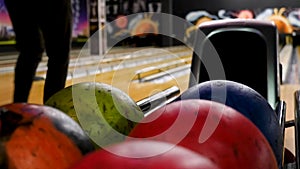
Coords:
246,101
144,155
212,129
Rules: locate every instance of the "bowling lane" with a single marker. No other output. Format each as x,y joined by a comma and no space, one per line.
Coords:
123,74
117,68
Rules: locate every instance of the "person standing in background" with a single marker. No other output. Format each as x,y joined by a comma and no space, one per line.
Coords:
40,26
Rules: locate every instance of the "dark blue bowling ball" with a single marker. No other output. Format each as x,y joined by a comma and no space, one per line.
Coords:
245,100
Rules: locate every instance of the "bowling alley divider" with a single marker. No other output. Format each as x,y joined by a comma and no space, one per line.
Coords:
149,73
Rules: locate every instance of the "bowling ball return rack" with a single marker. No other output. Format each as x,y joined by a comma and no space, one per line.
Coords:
262,71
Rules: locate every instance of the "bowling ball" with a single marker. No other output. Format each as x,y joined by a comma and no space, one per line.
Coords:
210,128
37,136
144,155
246,101
105,112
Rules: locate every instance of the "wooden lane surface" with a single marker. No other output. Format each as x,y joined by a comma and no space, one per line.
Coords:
120,78
135,90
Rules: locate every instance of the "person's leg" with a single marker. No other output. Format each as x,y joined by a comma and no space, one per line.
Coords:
57,31
28,43
24,74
